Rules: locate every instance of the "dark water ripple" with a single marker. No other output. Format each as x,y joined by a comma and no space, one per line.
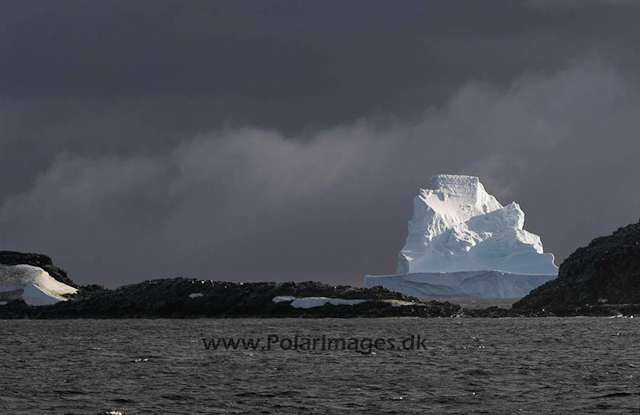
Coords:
470,366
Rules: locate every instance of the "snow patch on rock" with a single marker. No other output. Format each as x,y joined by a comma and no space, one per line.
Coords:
32,284
283,298
398,303
310,302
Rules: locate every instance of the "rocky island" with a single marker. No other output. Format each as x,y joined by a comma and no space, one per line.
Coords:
601,279
190,297
605,272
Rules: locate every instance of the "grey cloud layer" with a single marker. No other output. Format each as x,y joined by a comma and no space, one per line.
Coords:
253,204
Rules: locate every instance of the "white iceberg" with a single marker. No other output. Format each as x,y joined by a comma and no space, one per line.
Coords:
458,226
32,284
462,242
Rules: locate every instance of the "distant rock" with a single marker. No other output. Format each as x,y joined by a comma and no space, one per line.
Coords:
605,273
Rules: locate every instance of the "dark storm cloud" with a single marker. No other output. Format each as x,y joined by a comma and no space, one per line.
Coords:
285,140
277,50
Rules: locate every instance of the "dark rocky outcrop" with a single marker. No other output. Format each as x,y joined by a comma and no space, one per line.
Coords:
170,298
36,260
599,276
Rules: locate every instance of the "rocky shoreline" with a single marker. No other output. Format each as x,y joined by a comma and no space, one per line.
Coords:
192,298
602,279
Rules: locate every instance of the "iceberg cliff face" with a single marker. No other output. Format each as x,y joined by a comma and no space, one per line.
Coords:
457,226
475,284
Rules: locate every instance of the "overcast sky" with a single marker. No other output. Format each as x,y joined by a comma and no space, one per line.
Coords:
285,140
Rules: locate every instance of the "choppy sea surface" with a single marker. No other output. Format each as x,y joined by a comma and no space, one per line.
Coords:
574,365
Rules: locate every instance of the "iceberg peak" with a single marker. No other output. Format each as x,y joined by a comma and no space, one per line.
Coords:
458,226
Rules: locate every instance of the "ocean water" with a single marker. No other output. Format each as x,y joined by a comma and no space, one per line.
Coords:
465,366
